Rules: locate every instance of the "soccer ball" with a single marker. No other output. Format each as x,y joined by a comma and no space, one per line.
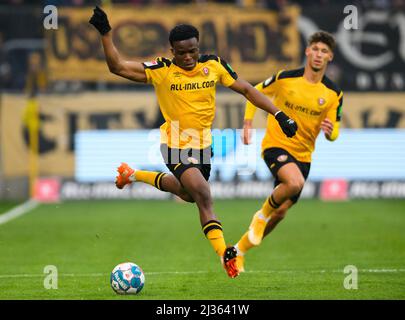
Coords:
127,278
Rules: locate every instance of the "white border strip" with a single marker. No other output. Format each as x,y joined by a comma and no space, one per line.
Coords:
18,211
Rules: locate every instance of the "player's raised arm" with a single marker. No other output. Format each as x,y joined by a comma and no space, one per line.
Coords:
257,98
116,64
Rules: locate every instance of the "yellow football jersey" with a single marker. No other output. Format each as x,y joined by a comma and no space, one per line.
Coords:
307,103
187,98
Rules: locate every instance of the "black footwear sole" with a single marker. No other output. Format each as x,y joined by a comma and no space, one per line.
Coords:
230,253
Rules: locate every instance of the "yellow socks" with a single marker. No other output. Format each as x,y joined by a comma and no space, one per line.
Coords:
213,231
150,177
268,207
243,245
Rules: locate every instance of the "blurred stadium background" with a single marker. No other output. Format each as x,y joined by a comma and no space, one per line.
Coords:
56,86
66,122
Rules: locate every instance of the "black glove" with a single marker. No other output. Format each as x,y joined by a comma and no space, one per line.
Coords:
288,125
100,21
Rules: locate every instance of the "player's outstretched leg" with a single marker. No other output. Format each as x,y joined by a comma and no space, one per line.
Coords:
244,244
160,180
260,220
127,175
198,187
291,182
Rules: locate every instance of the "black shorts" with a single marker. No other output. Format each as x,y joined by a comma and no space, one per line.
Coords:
179,160
275,158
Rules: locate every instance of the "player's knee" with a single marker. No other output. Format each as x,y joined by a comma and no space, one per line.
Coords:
295,185
202,195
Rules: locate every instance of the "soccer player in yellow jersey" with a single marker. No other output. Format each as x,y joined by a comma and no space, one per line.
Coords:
185,87
315,103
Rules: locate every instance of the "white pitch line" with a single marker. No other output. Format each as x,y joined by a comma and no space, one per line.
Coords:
383,270
18,211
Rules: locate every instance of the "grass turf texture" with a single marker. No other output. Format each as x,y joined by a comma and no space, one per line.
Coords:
303,258
7,205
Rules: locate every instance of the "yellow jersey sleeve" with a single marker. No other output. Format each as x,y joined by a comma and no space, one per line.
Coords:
267,87
335,114
226,74
156,70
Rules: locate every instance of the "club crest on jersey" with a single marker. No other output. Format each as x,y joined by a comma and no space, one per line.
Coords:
151,63
321,101
282,158
206,71
177,74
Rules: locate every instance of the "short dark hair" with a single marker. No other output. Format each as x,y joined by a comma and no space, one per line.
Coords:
324,37
183,32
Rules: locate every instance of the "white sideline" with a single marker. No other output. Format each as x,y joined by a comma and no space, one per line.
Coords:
18,211
33,275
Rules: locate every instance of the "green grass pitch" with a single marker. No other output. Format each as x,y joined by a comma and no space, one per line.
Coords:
303,258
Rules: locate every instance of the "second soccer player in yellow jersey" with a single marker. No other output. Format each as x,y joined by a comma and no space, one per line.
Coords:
185,87
315,103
